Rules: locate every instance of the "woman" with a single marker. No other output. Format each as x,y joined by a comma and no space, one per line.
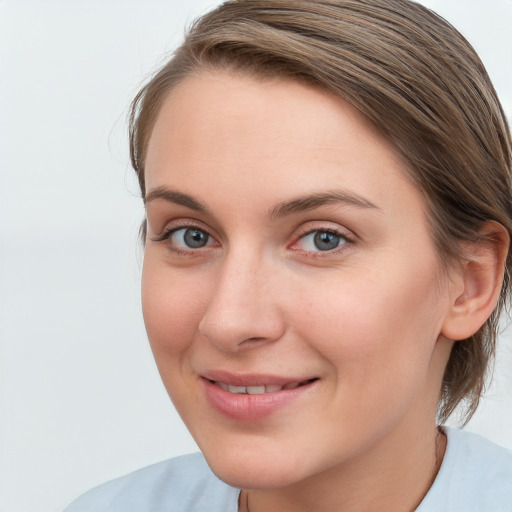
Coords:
327,252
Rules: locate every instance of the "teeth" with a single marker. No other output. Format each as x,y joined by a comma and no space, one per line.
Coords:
257,390
272,388
237,389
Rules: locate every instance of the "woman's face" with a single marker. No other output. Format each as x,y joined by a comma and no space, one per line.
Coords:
291,290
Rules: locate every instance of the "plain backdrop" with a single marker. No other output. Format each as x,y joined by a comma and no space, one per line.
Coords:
81,400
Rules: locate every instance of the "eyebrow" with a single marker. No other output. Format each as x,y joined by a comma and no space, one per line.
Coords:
173,196
312,201
298,205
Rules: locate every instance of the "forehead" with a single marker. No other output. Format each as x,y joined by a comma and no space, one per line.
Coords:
230,130
210,97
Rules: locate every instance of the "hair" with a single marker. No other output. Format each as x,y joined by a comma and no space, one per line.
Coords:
416,78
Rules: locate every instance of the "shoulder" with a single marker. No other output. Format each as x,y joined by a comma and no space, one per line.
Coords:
476,475
181,484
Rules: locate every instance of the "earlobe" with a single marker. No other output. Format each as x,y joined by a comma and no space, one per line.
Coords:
479,280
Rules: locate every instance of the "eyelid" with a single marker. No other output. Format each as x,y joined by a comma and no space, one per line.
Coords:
307,230
175,225
304,230
313,226
165,238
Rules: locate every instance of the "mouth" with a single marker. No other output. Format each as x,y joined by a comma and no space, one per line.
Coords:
254,397
259,389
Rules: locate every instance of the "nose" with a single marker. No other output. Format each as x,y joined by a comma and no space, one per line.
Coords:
243,311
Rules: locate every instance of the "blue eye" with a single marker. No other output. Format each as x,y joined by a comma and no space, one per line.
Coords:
322,241
190,238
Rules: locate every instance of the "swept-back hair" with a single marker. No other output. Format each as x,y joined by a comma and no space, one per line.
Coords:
415,77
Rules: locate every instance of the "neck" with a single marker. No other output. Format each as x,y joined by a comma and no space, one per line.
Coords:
366,485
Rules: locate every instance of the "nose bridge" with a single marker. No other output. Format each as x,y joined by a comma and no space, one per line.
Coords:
242,306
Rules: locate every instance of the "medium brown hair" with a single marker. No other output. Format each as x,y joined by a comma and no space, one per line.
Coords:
415,77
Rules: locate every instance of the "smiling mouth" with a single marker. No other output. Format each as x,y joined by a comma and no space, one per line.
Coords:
259,390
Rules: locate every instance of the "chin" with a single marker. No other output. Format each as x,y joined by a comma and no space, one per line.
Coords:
255,467
250,476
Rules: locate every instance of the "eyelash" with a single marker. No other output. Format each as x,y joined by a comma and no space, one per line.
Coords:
167,234
345,239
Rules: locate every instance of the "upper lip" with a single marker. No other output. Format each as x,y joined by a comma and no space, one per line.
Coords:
251,379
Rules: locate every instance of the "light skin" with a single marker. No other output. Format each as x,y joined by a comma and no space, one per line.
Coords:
254,170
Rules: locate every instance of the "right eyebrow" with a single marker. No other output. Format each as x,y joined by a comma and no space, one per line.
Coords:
173,196
316,200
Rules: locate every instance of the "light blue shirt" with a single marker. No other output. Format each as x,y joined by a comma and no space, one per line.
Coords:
475,476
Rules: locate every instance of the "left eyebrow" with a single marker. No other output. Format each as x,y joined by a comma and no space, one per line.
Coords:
176,197
312,201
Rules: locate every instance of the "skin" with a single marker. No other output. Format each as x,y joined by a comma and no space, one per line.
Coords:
368,318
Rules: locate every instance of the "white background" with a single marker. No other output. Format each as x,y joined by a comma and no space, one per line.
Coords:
81,400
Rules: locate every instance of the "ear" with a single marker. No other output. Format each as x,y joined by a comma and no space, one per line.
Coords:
477,283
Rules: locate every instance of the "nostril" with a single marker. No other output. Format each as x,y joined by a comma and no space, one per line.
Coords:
253,341
233,327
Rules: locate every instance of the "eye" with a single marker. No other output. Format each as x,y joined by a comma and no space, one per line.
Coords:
189,238
322,240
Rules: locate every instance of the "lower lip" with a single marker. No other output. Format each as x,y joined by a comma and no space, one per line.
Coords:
244,407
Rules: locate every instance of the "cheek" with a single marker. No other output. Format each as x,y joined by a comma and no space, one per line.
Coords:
373,325
172,307
377,336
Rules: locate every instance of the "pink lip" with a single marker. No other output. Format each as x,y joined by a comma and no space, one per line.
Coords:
245,407
250,379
